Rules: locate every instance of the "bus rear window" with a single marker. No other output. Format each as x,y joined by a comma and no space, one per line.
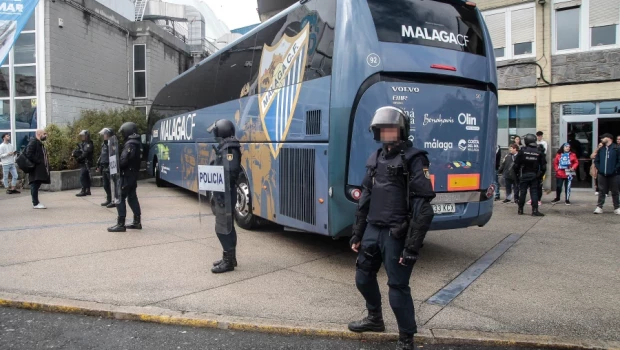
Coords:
444,24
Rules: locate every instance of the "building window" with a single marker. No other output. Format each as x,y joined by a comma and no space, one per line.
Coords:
582,25
142,109
611,107
515,121
512,31
579,108
139,71
18,87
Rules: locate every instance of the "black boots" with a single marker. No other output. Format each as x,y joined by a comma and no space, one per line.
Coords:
106,203
136,224
111,205
405,342
520,212
120,225
84,192
217,262
229,261
535,212
372,323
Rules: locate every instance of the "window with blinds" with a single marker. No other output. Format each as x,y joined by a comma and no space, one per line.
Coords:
523,26
604,18
496,23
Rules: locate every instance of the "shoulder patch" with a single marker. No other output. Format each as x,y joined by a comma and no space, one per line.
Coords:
427,174
229,156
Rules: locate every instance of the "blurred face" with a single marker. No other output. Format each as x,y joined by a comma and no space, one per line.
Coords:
43,136
389,134
83,137
539,137
566,149
106,136
618,140
517,140
7,138
514,150
607,141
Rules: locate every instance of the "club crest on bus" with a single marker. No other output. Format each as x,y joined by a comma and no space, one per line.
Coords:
281,72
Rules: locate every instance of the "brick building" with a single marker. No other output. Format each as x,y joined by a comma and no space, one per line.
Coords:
559,71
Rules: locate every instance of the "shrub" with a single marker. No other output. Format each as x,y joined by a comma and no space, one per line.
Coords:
62,141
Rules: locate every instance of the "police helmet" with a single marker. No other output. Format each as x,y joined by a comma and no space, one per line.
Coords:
530,140
390,117
128,129
85,133
107,131
222,128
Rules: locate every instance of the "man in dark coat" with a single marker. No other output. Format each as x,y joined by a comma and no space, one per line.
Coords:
40,174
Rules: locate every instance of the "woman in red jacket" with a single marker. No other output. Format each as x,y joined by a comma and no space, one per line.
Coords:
565,165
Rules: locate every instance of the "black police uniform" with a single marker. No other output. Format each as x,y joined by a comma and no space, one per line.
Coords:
103,163
387,227
85,159
129,168
532,165
228,154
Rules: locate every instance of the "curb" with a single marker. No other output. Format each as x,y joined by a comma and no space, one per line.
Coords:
203,320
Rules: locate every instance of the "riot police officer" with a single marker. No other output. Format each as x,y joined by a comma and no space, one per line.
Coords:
531,163
103,165
228,154
392,218
129,168
84,155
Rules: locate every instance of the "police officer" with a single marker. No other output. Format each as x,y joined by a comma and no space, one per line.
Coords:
129,168
103,165
228,154
84,156
531,163
392,218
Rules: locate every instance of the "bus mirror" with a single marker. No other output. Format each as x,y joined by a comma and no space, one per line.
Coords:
143,138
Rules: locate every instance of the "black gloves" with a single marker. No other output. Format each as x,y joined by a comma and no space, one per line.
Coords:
409,257
354,240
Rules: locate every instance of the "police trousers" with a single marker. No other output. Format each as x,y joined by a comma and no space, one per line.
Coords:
531,182
129,194
224,220
105,177
379,247
85,176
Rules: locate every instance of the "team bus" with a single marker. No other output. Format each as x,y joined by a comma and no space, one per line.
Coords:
302,88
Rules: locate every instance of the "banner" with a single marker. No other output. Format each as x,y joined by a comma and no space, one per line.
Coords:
14,14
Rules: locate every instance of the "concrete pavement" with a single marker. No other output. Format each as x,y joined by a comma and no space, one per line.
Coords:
557,281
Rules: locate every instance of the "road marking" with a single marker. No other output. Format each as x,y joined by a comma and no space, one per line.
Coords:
467,277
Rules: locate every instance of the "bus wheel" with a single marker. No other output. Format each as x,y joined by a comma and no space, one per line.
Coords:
158,180
243,209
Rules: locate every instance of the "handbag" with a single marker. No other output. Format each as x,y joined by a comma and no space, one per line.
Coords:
24,163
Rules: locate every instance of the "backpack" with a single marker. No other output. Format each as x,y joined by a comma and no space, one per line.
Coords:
24,163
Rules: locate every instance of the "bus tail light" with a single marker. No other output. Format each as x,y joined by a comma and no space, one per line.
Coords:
490,191
444,67
356,194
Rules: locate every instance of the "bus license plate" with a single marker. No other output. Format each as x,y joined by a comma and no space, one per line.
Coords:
444,208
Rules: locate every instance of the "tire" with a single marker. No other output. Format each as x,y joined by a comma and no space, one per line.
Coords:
158,180
243,210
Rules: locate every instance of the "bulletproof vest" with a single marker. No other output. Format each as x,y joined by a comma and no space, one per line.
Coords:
229,149
388,200
134,157
83,147
530,160
105,153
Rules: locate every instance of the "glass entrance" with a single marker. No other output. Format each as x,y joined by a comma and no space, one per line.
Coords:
580,137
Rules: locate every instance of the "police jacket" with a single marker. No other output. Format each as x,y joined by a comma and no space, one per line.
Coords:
228,154
129,164
85,156
396,193
530,160
104,157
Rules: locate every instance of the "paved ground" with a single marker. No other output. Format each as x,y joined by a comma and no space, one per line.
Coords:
558,277
30,330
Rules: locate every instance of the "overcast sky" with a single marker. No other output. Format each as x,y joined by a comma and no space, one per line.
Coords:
235,13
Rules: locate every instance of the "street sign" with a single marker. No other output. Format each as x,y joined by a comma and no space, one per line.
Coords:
211,178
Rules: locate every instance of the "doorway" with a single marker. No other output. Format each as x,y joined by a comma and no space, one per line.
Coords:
580,137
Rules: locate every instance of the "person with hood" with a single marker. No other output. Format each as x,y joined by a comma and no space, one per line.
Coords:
129,168
228,155
607,162
565,165
392,218
531,164
509,174
103,166
84,156
39,174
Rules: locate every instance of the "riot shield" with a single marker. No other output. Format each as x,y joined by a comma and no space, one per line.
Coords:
115,154
216,179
